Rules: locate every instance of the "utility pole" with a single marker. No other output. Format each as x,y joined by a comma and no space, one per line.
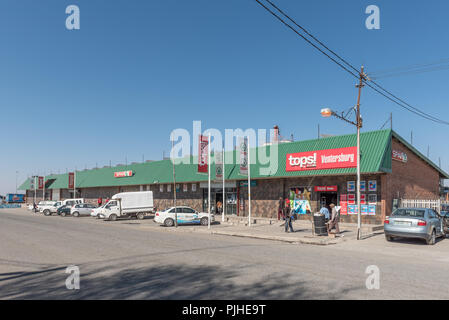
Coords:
359,126
174,183
318,131
411,137
17,172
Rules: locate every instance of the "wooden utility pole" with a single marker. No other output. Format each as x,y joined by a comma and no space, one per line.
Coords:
359,126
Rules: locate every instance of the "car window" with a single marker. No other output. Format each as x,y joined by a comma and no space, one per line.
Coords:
432,214
188,210
173,210
418,213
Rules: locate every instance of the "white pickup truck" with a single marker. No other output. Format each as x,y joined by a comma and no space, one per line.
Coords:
127,205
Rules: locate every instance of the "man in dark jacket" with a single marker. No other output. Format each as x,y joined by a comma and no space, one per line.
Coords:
288,216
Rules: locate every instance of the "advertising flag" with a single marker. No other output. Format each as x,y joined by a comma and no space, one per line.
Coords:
219,165
71,180
40,183
203,161
32,183
243,145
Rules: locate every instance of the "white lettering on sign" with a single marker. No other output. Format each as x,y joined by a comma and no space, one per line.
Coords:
302,162
338,158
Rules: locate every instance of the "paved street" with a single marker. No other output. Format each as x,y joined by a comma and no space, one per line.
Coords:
134,259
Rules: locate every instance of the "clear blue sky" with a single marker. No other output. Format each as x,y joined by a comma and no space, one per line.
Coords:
139,69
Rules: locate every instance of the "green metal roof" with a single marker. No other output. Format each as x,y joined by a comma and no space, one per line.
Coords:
375,157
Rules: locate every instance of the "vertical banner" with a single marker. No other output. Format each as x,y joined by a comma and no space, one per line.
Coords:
243,145
40,183
71,180
219,165
32,183
203,147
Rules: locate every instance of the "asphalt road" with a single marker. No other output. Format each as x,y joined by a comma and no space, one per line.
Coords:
140,260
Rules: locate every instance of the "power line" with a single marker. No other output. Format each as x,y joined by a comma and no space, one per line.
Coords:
387,94
408,68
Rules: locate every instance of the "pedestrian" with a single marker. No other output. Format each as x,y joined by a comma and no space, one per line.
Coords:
107,200
335,218
35,207
288,216
325,211
280,208
100,201
219,207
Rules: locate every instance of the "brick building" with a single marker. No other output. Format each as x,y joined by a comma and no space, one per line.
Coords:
312,173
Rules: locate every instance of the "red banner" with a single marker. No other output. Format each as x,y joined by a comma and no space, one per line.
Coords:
71,180
322,159
326,189
122,174
40,183
203,154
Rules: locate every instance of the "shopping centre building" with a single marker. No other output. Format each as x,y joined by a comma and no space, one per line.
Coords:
312,173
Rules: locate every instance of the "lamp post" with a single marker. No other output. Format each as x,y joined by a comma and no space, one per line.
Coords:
326,113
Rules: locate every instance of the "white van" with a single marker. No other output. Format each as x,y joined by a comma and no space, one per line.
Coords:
128,204
72,202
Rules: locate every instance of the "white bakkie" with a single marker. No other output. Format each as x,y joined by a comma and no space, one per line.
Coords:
128,204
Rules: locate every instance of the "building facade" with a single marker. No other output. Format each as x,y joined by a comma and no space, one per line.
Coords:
312,174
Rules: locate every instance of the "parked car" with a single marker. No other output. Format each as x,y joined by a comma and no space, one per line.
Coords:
421,223
45,203
185,215
127,205
64,210
72,202
96,212
445,216
49,209
82,209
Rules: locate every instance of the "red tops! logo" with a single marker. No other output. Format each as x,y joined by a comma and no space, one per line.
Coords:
322,159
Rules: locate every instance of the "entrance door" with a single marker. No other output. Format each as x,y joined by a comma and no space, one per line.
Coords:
218,198
326,198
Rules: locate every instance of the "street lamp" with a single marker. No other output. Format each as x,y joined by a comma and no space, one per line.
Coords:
327,113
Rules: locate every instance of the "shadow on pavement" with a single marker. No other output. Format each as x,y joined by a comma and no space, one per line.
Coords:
155,282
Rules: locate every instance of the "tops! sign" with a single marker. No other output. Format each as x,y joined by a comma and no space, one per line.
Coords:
322,159
399,156
123,174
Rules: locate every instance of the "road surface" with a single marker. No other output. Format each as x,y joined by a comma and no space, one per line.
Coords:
140,260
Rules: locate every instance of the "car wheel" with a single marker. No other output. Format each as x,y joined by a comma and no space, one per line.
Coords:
204,221
112,217
169,222
140,216
63,214
76,214
432,239
46,212
389,238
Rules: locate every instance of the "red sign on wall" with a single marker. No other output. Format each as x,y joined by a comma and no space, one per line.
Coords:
326,189
71,180
122,174
203,154
40,183
322,159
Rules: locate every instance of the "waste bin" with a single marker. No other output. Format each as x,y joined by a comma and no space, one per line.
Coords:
319,222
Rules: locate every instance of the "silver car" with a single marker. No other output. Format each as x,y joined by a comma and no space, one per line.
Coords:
421,223
82,209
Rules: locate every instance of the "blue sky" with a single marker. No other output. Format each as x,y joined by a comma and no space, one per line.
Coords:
136,70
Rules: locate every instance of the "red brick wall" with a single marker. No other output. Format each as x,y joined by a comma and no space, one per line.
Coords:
412,180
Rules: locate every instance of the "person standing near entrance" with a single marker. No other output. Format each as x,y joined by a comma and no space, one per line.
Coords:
288,216
325,211
219,207
100,202
335,218
280,208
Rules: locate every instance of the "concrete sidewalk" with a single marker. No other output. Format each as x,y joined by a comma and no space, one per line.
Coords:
275,231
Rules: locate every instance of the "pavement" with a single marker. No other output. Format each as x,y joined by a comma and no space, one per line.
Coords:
134,259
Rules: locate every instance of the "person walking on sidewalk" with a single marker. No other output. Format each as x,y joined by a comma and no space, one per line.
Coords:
335,218
34,207
280,209
288,217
